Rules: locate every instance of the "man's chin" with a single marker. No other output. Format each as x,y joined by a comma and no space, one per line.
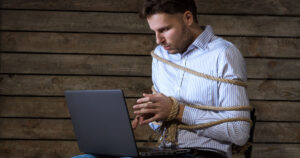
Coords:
171,51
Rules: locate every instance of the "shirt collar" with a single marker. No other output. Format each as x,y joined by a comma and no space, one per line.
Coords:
201,41
204,38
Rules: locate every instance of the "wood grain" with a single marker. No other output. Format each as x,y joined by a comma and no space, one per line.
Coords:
62,129
55,107
49,85
49,129
131,44
64,149
51,46
41,107
123,65
131,23
87,5
276,110
127,65
55,85
273,132
77,43
274,90
276,150
267,47
77,64
265,7
273,68
38,149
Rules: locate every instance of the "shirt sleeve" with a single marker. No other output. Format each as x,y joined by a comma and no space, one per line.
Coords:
231,65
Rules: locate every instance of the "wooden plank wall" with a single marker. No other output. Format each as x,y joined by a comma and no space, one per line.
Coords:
50,46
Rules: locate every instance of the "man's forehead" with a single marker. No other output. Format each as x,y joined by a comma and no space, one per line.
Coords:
159,20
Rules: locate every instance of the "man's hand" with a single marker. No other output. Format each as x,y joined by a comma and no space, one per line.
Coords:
152,107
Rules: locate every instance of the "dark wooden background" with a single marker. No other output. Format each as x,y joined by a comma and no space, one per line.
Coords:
51,46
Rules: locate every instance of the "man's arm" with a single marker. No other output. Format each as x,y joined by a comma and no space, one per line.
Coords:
231,66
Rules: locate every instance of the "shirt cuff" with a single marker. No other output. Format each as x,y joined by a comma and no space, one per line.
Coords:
154,125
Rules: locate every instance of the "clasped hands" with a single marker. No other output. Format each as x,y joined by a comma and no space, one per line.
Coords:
152,107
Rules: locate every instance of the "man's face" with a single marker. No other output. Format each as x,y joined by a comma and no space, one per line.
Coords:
171,31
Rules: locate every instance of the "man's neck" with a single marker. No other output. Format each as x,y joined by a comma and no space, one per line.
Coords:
196,30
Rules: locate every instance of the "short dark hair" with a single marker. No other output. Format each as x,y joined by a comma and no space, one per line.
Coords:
151,7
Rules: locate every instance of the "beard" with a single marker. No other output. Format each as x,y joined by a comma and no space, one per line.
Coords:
182,43
187,40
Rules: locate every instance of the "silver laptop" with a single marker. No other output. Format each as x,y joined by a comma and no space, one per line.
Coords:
102,125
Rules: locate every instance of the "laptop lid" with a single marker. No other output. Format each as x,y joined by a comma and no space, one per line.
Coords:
101,122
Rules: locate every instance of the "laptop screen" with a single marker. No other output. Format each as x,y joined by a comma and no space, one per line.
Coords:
101,122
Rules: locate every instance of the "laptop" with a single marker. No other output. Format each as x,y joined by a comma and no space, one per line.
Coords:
102,125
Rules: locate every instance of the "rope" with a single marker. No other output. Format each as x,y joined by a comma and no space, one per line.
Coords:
174,109
213,108
235,82
205,125
169,127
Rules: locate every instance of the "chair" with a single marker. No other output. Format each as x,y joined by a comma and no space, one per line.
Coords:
249,150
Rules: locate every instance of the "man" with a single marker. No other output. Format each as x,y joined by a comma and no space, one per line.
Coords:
182,41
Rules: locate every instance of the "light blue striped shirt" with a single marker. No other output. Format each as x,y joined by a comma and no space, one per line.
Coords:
217,57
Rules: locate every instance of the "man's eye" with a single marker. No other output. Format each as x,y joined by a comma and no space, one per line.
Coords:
166,29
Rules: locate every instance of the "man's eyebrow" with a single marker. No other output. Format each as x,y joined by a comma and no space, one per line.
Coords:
163,28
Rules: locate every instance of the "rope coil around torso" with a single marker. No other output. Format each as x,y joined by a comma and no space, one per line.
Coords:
199,74
169,128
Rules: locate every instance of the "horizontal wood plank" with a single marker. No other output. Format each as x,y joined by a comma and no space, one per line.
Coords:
275,150
77,43
62,129
277,132
45,42
50,129
273,68
41,107
55,107
44,149
127,65
276,110
77,64
283,7
131,23
49,85
267,47
274,90
47,107
38,149
56,85
87,5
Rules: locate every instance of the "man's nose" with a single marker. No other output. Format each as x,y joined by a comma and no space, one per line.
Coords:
159,38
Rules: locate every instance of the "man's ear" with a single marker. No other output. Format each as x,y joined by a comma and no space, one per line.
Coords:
188,18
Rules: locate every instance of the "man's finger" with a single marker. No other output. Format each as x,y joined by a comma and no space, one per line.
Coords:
145,111
143,100
152,97
141,119
134,123
147,95
154,118
143,106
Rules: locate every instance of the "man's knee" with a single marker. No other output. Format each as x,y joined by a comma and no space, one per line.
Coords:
86,156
